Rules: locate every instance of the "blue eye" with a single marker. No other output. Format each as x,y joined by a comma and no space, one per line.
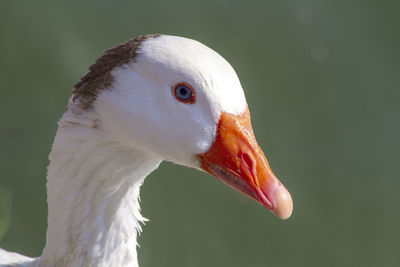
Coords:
184,93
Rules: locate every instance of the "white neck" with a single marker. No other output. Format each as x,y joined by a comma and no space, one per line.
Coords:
93,196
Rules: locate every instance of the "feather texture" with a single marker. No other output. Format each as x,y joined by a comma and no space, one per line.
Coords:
121,122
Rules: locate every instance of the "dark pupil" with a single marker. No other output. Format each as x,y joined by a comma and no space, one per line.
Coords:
184,93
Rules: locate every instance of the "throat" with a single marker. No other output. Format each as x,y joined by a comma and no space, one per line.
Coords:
93,199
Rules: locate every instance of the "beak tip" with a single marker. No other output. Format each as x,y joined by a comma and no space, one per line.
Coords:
283,204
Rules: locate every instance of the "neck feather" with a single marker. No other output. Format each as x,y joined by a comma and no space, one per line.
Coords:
93,196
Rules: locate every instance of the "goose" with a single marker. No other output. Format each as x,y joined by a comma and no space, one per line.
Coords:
153,98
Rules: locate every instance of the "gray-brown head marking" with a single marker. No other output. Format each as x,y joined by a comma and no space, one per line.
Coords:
99,76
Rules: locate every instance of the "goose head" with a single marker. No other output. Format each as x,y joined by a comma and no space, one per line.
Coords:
178,100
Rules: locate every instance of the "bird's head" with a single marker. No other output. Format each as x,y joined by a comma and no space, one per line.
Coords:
180,101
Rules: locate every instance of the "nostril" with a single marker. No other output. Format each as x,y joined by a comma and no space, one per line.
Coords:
248,161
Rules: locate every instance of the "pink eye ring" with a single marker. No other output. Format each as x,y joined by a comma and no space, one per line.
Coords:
184,93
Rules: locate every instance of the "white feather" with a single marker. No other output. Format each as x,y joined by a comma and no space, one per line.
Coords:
101,156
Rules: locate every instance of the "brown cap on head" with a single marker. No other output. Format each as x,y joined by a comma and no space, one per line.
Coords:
99,76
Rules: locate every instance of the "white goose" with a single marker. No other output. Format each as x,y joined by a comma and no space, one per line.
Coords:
153,98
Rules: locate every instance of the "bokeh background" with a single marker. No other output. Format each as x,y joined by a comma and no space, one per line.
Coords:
322,81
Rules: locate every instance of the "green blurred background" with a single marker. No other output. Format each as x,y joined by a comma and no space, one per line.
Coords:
322,81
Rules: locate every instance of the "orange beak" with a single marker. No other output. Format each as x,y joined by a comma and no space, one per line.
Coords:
236,159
